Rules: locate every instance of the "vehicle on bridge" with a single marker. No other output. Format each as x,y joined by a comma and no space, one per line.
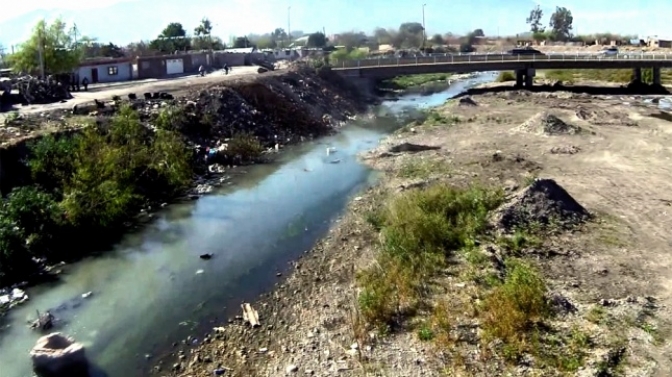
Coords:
525,51
611,51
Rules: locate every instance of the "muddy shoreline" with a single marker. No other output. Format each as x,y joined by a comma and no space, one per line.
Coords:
311,323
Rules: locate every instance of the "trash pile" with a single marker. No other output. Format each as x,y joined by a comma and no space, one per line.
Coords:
35,90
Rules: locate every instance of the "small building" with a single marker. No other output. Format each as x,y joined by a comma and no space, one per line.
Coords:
104,70
156,67
656,42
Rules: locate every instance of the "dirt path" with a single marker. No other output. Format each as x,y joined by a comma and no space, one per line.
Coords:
611,275
174,86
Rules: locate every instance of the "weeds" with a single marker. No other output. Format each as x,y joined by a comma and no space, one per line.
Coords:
422,168
419,230
406,82
506,76
513,311
606,75
245,147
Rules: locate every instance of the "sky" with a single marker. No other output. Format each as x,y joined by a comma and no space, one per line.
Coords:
125,21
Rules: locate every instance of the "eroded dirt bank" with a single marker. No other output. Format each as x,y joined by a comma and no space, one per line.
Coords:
563,275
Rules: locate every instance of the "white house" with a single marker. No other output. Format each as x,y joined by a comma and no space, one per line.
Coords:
106,70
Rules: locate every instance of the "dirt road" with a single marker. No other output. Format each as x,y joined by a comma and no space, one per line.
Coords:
173,86
608,281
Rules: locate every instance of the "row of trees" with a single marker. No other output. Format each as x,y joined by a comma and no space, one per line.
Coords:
560,24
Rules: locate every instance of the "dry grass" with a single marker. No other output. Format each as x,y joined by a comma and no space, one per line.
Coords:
419,231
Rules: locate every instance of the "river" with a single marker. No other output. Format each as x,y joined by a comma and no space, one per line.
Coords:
152,289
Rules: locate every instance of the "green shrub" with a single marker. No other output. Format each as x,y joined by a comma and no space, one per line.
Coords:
506,76
93,182
244,147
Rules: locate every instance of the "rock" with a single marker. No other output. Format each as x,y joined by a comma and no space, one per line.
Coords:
291,368
467,101
58,355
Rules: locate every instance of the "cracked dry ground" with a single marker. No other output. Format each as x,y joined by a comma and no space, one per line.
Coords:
609,279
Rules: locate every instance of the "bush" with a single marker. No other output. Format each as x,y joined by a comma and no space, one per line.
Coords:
506,76
91,183
244,147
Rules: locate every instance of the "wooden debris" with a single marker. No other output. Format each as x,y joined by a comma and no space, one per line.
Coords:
250,315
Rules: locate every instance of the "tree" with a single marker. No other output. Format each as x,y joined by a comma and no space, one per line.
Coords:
478,33
317,40
264,42
204,39
214,43
384,36
350,40
138,49
58,50
534,20
279,37
410,35
242,42
561,23
111,50
437,39
204,29
171,39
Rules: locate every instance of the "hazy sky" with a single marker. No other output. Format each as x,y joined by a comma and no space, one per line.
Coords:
123,21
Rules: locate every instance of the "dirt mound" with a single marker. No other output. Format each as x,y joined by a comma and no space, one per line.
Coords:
546,123
544,202
467,101
602,117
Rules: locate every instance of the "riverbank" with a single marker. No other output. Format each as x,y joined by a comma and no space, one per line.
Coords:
58,163
459,261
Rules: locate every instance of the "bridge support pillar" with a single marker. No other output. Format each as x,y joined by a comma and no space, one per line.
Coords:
529,79
525,77
656,76
637,75
520,77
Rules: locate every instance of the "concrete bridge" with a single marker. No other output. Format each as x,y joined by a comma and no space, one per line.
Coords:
365,72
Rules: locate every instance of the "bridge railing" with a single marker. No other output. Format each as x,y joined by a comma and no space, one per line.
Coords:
495,58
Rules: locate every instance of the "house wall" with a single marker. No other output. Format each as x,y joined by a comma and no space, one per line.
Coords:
229,58
124,72
154,67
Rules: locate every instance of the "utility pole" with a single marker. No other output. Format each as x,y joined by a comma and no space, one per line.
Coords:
40,50
74,31
424,30
289,26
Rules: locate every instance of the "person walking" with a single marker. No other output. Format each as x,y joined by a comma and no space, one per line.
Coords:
85,83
